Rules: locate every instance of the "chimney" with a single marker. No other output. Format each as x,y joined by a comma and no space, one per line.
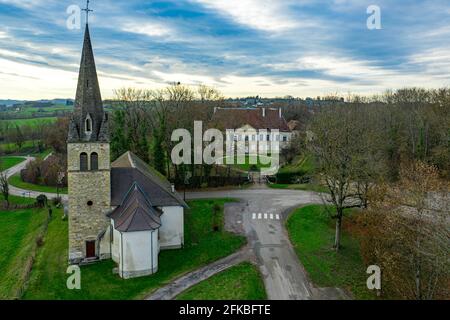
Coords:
173,188
264,112
279,111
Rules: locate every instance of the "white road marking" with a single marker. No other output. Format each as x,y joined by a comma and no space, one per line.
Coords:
265,216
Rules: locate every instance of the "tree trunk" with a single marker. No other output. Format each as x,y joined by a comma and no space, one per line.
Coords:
337,239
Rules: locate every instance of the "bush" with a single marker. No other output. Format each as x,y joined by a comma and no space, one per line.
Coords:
45,172
290,176
41,200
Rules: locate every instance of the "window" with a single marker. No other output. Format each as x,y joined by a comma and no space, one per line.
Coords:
285,138
83,162
94,161
88,125
268,137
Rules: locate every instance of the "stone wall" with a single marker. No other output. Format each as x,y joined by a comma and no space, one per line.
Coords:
89,199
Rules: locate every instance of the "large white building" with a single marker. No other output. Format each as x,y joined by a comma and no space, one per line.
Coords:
258,127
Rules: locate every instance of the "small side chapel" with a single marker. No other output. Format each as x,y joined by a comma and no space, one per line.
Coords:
125,210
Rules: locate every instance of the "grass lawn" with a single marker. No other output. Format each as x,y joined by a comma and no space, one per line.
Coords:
18,200
41,155
241,282
16,181
305,187
311,231
304,163
251,161
18,232
28,148
202,246
33,122
9,162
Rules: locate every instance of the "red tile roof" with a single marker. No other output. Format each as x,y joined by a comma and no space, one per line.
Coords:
257,118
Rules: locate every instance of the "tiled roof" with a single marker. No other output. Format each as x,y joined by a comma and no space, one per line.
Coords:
128,169
136,213
257,118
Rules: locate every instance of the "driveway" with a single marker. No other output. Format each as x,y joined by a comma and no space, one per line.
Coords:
260,215
27,193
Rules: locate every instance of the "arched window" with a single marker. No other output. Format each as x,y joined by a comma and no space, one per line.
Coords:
94,161
88,125
83,162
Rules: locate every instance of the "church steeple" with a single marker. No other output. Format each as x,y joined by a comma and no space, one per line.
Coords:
89,121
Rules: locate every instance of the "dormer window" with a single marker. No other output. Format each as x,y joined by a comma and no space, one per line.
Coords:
88,124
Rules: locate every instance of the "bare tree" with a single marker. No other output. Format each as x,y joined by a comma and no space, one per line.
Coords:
337,146
406,233
4,186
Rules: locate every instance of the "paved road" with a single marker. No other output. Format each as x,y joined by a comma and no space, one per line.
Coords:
260,216
27,193
173,289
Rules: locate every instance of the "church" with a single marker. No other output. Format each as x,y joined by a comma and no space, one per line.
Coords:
125,210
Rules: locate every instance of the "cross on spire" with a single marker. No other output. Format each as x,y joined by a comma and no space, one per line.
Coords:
87,11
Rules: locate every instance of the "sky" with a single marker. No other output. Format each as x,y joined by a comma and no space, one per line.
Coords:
302,48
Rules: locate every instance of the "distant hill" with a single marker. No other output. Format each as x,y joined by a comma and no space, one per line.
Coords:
11,102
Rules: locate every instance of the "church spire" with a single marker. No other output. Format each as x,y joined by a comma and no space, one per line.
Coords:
89,119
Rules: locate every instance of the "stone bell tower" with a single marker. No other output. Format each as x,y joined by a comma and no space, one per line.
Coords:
89,166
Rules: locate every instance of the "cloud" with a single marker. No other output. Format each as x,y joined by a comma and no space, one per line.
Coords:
245,47
263,15
27,4
146,28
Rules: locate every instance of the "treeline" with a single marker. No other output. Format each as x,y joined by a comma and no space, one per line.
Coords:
389,156
143,122
15,139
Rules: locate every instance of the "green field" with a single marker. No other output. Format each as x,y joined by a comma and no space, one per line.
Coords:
33,122
18,200
9,162
254,162
30,111
241,282
17,182
27,147
18,232
202,246
311,231
304,163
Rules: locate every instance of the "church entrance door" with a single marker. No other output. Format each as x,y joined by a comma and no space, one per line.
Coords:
90,249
